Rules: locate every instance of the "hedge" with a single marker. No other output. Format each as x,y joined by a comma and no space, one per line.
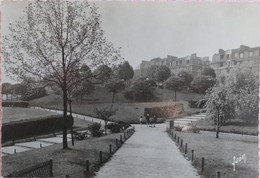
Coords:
34,127
23,104
164,111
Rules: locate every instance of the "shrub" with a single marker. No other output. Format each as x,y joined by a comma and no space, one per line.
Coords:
34,127
95,130
193,128
23,104
164,111
33,94
178,128
197,104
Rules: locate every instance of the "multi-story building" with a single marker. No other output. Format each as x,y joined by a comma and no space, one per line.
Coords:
244,56
192,64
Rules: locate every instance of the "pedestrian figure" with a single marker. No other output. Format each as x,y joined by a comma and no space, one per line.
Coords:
154,120
148,119
141,121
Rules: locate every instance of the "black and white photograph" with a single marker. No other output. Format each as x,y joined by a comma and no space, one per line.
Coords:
130,89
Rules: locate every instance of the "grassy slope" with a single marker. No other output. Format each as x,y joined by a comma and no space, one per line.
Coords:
218,153
126,110
65,162
232,126
16,113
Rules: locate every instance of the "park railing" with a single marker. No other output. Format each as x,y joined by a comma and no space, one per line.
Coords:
43,169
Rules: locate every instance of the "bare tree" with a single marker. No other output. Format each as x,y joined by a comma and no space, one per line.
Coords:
52,40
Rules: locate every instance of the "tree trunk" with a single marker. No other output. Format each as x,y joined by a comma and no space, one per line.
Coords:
71,129
217,127
64,130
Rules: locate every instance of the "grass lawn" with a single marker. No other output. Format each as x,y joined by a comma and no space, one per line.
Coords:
127,112
219,153
65,162
16,114
234,126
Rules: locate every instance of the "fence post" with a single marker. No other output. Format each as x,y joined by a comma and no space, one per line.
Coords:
202,165
100,157
178,139
14,151
87,166
186,145
218,174
192,155
51,168
40,145
110,148
116,143
174,136
121,139
171,124
181,142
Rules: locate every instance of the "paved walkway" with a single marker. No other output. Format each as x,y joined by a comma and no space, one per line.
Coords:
149,153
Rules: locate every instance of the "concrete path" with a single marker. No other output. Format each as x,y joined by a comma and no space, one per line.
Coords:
149,153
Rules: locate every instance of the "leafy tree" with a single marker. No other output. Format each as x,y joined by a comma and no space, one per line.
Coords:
162,73
159,73
141,90
202,83
208,71
6,88
114,85
220,106
174,83
103,73
52,40
186,77
125,72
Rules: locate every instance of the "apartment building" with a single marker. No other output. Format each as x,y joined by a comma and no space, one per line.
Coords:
192,64
244,57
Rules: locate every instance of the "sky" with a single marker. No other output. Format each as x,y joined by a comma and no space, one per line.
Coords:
145,30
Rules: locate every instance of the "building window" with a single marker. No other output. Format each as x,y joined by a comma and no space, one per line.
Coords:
171,64
188,61
177,63
236,55
228,56
222,56
180,62
241,55
235,62
251,53
221,64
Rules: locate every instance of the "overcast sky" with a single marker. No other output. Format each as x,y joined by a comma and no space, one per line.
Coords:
146,30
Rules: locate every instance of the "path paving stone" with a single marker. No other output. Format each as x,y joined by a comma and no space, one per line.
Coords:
10,149
34,144
52,140
149,153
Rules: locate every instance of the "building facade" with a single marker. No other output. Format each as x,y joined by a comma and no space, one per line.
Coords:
244,57
192,64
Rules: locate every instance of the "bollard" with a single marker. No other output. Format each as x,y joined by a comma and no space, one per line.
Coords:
116,143
192,155
110,148
174,136
171,124
178,139
40,145
218,174
202,165
87,166
100,157
14,151
181,142
186,147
